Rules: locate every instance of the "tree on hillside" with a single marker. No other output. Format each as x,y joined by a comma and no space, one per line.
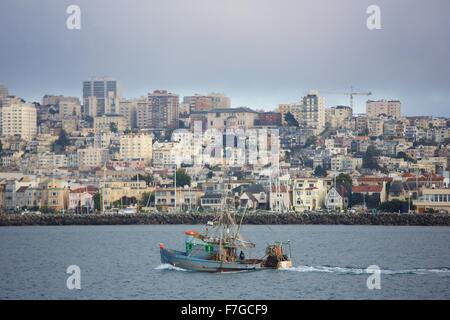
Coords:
290,119
370,158
98,201
183,179
320,172
113,127
310,141
344,179
62,142
148,198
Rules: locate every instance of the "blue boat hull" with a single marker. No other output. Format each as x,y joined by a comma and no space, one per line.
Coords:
182,260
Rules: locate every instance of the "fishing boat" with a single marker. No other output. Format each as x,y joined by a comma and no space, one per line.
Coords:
220,248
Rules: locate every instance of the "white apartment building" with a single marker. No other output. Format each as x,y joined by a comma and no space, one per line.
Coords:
18,118
136,146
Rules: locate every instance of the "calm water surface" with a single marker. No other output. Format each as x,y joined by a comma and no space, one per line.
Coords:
122,262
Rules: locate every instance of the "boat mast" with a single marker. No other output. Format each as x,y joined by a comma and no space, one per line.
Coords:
175,186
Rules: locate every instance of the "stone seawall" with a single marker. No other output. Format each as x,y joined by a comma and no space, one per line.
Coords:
256,219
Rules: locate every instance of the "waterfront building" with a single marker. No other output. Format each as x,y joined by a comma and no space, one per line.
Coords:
280,198
309,193
338,198
81,200
436,199
186,198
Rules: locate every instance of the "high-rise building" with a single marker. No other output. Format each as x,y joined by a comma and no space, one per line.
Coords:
309,112
128,109
49,99
18,118
107,94
3,91
160,112
207,102
390,108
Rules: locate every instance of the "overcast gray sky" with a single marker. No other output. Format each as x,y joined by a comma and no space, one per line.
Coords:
259,52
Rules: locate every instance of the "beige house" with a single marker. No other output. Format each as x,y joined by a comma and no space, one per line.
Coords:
309,193
115,190
54,195
185,197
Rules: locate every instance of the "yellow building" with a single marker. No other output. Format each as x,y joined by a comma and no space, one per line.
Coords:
310,193
54,195
435,199
112,191
185,197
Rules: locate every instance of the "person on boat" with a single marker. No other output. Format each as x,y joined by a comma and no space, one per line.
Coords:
242,255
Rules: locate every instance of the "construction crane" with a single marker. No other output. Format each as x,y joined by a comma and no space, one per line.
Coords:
351,94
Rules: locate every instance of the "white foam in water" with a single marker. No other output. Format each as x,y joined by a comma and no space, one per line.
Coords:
348,270
166,266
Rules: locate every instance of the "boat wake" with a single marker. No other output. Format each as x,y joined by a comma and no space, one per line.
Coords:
350,270
166,266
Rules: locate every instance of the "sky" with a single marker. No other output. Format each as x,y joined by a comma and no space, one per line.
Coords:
259,52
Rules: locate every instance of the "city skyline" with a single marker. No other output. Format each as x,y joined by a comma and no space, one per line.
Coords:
282,50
